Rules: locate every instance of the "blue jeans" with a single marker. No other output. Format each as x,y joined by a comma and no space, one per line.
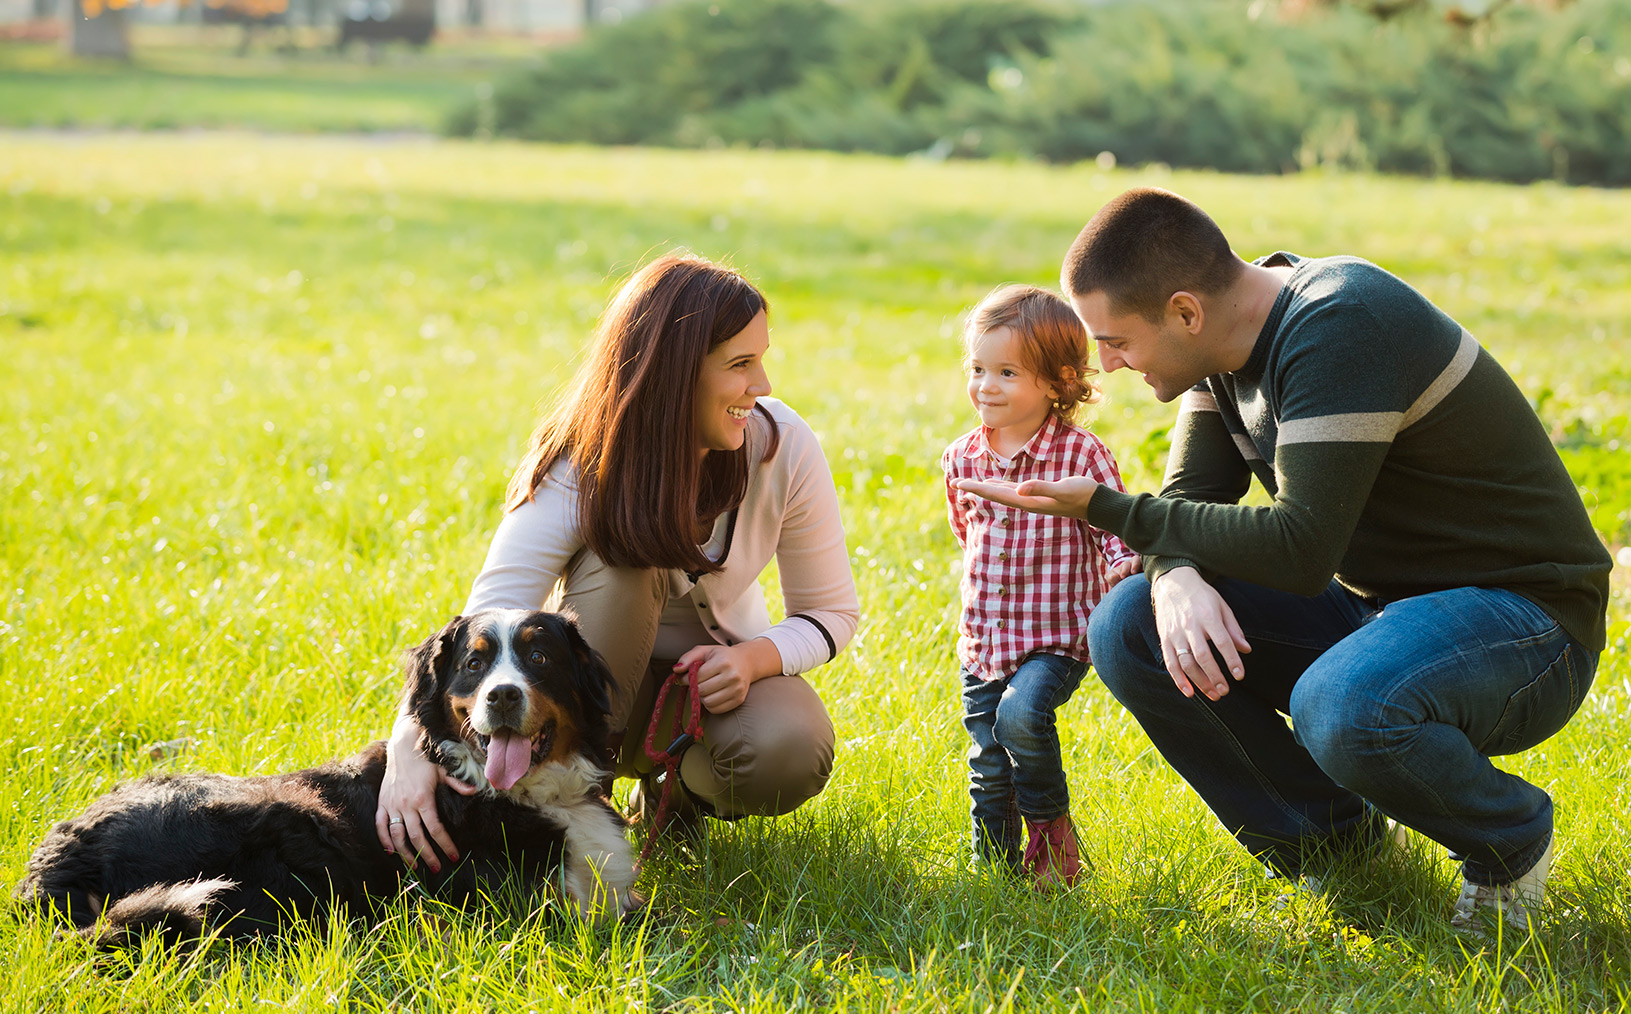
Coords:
1014,765
1394,710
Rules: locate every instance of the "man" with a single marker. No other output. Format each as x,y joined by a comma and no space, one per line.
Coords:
1424,589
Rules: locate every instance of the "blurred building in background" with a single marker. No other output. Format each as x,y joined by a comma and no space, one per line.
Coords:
548,16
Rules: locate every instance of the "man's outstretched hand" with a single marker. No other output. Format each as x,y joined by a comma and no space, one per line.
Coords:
1065,497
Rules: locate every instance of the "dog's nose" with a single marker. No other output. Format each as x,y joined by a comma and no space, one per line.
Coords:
506,694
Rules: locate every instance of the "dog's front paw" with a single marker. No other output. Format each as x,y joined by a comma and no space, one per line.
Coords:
634,906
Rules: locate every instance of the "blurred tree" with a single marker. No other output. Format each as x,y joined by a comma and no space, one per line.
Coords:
1531,92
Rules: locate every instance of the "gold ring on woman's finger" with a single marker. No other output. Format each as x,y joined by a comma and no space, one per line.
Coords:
395,820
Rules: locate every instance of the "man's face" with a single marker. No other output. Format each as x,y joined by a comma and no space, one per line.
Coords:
1163,352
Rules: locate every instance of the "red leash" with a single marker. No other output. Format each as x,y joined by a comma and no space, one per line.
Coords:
669,759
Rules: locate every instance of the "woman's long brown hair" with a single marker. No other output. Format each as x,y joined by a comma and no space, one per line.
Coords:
628,423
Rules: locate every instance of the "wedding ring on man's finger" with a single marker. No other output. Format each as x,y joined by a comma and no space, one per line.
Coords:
1183,651
395,820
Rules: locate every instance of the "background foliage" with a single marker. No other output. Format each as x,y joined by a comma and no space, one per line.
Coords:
1529,94
258,402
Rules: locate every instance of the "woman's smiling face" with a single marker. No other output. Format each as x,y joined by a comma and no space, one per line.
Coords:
731,381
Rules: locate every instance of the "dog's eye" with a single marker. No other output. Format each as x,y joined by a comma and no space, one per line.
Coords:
476,663
537,658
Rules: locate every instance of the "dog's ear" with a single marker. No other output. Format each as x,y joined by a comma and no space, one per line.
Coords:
425,670
591,677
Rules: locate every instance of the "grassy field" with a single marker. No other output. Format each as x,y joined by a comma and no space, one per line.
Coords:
260,399
184,77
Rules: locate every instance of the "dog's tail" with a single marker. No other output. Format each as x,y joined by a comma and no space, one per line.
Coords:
177,912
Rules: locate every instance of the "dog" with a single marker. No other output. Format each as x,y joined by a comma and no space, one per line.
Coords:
509,701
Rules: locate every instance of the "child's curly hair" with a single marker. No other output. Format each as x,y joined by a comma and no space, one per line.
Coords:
1053,341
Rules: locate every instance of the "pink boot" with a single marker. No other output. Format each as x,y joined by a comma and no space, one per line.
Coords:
1051,855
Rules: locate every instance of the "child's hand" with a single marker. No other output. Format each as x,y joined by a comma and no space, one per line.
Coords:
1125,569
1067,497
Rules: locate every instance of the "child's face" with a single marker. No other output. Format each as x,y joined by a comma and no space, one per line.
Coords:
1007,394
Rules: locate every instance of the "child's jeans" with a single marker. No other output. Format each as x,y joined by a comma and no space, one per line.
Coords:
1014,764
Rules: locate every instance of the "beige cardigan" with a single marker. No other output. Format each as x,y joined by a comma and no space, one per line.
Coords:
790,512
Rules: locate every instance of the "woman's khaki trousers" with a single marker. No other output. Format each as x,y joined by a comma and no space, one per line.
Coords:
764,758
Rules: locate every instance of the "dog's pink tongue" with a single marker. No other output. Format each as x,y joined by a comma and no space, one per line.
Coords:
509,755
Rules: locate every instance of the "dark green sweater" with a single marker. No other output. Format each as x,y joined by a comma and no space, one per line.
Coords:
1400,456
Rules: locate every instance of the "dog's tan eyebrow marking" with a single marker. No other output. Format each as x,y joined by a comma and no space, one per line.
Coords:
480,643
528,633
457,710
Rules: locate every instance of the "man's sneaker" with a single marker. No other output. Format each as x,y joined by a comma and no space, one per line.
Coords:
1517,902
1051,856
1306,886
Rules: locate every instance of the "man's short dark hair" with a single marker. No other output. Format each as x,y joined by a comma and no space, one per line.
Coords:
1145,245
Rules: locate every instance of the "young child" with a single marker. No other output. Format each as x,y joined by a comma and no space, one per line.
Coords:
1029,580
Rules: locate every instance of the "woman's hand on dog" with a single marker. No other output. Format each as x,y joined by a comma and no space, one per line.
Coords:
406,819
728,670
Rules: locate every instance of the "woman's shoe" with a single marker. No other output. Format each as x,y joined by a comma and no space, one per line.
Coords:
686,820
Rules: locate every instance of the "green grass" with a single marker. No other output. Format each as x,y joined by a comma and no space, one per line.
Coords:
191,77
260,399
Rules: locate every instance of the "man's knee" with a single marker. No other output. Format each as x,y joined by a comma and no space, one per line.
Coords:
1340,728
1120,632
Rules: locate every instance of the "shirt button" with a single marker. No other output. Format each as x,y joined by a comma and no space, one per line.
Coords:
702,605
1002,554
1001,624
713,626
1005,522
1002,591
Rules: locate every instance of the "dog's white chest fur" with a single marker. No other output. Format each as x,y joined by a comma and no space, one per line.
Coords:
599,864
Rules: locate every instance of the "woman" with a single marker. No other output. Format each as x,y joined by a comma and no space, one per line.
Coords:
648,506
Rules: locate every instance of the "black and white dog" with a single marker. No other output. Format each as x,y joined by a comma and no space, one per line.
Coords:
510,701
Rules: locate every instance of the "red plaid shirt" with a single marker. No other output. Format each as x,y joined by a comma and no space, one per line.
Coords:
1029,580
